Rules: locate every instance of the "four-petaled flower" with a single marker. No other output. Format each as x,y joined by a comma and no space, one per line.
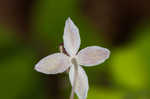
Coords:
60,62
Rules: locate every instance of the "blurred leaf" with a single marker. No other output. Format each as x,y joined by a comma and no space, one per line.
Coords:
103,93
129,69
49,20
142,42
130,64
7,37
17,76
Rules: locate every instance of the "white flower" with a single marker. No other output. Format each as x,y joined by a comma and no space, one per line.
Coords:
59,62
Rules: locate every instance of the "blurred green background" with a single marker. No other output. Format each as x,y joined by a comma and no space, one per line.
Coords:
32,29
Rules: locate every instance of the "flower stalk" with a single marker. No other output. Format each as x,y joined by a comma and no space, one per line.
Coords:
74,62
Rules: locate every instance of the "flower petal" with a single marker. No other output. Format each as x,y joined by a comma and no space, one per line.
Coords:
82,86
92,55
71,38
52,64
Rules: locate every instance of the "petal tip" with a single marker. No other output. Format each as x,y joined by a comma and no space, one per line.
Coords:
37,68
108,53
69,21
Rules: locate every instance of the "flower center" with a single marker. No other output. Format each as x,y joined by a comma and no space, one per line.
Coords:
74,61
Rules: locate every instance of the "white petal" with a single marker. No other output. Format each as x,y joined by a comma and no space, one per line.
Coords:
82,86
92,55
71,38
52,64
